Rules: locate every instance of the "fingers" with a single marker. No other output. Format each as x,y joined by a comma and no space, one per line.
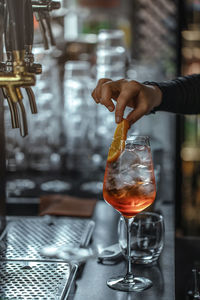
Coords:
129,90
126,93
96,94
106,96
104,93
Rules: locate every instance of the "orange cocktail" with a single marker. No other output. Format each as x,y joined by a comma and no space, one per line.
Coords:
129,183
129,186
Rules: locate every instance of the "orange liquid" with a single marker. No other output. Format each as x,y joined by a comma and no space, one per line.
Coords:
130,200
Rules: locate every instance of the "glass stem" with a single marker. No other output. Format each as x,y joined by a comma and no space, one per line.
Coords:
129,275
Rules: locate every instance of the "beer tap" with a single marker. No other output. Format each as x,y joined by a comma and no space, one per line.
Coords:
16,42
19,69
11,82
42,9
29,31
8,67
29,57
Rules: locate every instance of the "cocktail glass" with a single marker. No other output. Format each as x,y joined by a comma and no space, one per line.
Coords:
129,186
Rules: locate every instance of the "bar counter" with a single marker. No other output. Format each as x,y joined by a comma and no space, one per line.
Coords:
91,282
91,277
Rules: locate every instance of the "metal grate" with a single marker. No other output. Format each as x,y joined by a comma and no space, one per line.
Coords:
24,273
24,237
35,280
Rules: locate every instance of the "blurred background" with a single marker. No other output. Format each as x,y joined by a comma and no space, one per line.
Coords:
68,140
66,148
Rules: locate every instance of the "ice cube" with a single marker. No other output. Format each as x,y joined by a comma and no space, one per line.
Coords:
144,154
147,188
129,169
127,160
144,173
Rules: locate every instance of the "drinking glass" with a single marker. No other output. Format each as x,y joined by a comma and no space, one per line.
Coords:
129,186
147,237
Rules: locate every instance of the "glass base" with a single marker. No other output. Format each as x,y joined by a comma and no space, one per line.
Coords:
137,284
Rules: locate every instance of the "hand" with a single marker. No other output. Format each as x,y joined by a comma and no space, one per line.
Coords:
142,98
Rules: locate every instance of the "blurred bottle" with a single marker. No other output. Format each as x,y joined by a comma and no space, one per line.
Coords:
72,20
43,142
111,54
78,117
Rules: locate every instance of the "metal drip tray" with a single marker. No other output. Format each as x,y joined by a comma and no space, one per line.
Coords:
24,237
24,272
35,280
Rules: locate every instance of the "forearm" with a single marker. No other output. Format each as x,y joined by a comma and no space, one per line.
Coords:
181,95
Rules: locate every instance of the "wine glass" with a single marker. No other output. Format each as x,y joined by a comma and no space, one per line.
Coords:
129,186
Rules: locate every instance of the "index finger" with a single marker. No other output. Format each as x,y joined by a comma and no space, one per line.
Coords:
128,92
96,94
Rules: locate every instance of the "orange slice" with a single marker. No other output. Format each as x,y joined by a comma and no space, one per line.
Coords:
118,143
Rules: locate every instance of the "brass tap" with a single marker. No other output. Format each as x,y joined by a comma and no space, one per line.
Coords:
13,93
11,84
13,110
31,66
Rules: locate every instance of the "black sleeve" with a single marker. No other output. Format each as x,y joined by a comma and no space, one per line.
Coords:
181,95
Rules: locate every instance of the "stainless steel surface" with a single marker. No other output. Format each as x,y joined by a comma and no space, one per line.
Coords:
35,280
92,284
24,237
24,272
112,252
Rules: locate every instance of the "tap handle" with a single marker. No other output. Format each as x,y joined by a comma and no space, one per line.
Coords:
45,5
29,29
55,5
7,33
49,29
39,17
16,21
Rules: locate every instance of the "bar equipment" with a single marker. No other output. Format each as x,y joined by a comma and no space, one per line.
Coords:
19,70
42,11
32,67
16,75
32,275
16,149
25,274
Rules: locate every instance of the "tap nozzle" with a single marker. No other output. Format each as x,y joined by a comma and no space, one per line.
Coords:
32,101
13,110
